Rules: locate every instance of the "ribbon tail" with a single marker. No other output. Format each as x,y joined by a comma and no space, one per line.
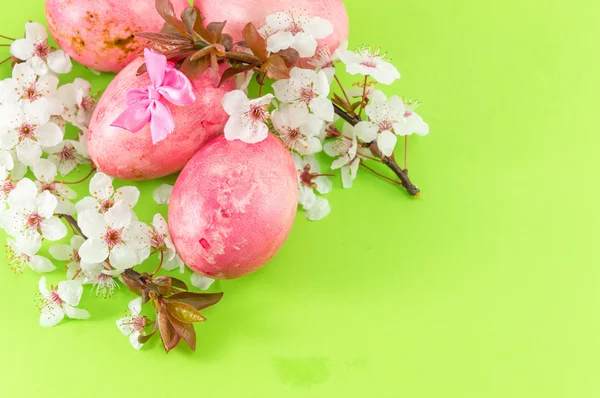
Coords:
133,118
162,123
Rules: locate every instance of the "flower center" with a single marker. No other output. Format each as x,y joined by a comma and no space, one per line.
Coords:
34,221
26,131
7,187
157,239
31,93
386,125
76,256
113,238
50,187
42,49
55,298
66,154
295,28
307,94
105,286
88,103
257,113
106,205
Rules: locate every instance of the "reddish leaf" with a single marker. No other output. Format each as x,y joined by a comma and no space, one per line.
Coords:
197,300
164,39
142,69
255,41
243,57
231,72
164,284
193,69
192,20
179,284
227,41
290,57
205,52
275,68
167,12
167,333
217,29
183,312
185,331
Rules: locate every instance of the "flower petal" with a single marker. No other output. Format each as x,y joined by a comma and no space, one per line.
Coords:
101,186
41,264
319,210
46,203
92,223
59,62
162,194
201,282
387,142
22,49
70,292
235,102
51,315
75,313
61,252
53,229
93,251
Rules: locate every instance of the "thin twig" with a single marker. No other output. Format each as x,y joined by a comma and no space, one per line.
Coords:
342,88
387,160
364,97
162,258
380,175
7,59
7,38
79,181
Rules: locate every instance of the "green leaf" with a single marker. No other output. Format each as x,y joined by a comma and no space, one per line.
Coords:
183,312
197,300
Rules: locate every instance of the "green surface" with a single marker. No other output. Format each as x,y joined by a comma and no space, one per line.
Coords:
486,286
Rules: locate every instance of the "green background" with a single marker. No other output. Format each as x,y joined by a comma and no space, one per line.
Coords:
486,286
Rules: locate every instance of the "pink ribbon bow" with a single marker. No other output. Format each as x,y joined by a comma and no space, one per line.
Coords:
146,106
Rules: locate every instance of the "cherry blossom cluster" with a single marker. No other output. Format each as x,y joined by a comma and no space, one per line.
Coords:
304,112
37,118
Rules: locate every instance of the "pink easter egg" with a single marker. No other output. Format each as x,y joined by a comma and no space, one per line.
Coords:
233,206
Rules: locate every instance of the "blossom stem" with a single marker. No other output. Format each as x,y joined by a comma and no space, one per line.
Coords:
92,169
406,153
76,274
364,97
4,45
387,160
342,88
162,259
369,157
73,223
7,59
363,164
7,38
261,83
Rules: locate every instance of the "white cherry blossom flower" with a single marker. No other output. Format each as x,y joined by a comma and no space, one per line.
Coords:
133,324
384,120
345,150
248,118
78,104
160,240
369,62
45,172
162,194
305,91
70,254
29,132
23,251
325,61
115,235
299,32
200,281
104,196
411,123
32,212
60,301
309,180
66,156
302,138
36,93
35,50
102,279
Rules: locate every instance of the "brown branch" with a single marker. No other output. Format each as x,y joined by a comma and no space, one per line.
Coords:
387,160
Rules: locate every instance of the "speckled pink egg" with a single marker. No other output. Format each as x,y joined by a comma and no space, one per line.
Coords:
233,206
100,34
132,156
238,13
